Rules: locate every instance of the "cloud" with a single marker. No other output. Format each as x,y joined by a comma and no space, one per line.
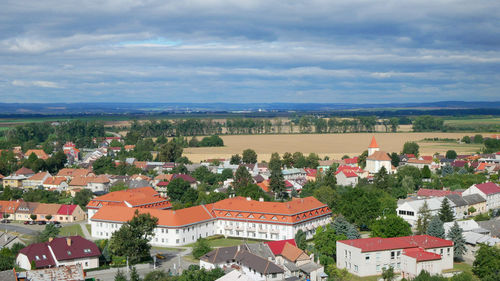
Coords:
252,50
41,84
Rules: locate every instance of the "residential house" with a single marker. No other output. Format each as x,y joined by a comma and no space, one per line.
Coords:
294,173
377,159
24,172
25,210
251,265
346,177
234,275
311,174
43,210
145,197
476,204
425,192
70,213
7,240
192,181
490,191
71,152
57,183
410,210
61,251
38,152
407,255
15,181
70,173
419,163
94,183
36,180
8,209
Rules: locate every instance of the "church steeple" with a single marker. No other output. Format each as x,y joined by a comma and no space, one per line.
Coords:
373,147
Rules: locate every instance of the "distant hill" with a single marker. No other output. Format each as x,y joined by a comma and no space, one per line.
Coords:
7,109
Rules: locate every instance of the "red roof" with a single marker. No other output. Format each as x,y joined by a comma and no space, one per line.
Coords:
162,183
349,173
288,184
353,160
488,188
421,255
185,177
425,192
373,144
24,171
277,246
66,209
311,172
41,251
381,244
144,197
428,158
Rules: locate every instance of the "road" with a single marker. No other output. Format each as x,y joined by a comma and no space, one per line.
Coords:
19,228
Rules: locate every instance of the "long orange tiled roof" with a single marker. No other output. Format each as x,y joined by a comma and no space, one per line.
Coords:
38,152
54,180
145,197
167,218
9,207
379,156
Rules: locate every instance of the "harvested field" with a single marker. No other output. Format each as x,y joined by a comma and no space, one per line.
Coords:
333,145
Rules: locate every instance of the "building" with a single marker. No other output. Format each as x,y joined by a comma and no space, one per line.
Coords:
410,210
24,172
232,217
70,173
143,197
47,212
25,210
238,257
377,159
408,255
8,209
62,251
58,183
36,180
40,154
7,240
15,181
490,191
94,183
70,213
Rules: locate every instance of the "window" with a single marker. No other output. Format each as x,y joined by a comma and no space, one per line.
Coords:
393,255
87,251
44,257
441,251
410,213
401,212
367,257
355,268
378,267
69,253
448,250
37,258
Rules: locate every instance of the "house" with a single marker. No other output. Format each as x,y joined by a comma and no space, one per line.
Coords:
419,163
232,217
426,192
58,183
408,255
192,181
61,251
70,173
353,162
410,210
15,181
94,183
68,272
36,180
145,197
253,266
40,154
25,210
70,213
43,210
490,191
71,152
346,177
311,174
235,275
8,209
475,202
7,240
294,173
24,172
377,159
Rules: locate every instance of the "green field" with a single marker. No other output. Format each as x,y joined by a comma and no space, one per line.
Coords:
472,120
69,230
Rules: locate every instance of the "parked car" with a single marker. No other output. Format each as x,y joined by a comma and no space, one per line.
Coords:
31,222
6,221
41,222
53,222
26,222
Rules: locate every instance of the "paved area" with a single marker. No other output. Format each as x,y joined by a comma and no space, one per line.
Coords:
85,230
20,228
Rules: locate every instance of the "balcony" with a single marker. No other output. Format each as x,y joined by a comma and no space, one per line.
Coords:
262,230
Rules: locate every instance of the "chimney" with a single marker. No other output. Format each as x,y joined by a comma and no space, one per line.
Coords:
50,239
68,241
261,199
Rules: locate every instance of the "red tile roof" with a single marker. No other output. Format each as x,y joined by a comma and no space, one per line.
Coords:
38,176
24,171
349,174
78,249
425,192
187,178
66,209
39,250
379,156
417,161
382,244
488,188
427,158
38,152
311,172
421,255
169,218
144,197
373,143
54,180
277,246
353,160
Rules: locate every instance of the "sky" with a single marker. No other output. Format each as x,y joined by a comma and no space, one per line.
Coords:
202,51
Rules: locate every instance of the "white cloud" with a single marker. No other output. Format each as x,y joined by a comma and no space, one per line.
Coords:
41,84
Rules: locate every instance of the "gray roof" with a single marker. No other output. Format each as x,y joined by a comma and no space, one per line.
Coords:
474,199
8,275
240,255
7,239
492,225
292,278
457,200
309,267
291,266
137,184
476,238
261,250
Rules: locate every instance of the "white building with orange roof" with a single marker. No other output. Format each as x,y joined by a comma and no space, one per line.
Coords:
233,217
36,180
38,152
58,183
143,197
377,159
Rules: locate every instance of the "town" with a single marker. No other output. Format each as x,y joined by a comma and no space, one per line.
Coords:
80,203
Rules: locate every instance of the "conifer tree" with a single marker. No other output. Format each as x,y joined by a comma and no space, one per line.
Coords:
455,235
445,213
436,228
423,219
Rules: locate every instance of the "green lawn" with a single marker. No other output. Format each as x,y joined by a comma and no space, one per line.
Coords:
461,266
367,278
69,230
89,228
166,249
226,242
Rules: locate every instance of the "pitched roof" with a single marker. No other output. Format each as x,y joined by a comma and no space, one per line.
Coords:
382,244
426,192
168,218
27,207
38,152
379,156
24,171
54,180
39,176
66,209
488,188
421,255
277,246
185,177
353,160
473,199
349,173
8,207
137,197
67,272
456,199
70,172
373,143
49,209
293,253
40,250
78,248
417,161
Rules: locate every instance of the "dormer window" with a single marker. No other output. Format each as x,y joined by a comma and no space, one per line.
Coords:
88,250
262,217
44,257
251,216
37,258
228,214
274,218
69,253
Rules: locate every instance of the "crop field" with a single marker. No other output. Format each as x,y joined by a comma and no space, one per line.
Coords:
333,145
469,121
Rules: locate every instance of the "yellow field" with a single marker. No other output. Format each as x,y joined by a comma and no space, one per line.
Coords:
333,145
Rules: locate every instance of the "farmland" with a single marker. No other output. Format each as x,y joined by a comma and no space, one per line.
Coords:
333,145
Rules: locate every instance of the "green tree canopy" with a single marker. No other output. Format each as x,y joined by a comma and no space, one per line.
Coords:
446,213
201,247
249,156
242,177
487,262
455,235
436,228
411,147
390,226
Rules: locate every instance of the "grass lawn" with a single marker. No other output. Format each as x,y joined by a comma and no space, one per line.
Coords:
461,266
367,278
167,249
69,230
89,228
226,242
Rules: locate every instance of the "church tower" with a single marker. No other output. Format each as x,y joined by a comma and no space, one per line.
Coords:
373,147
